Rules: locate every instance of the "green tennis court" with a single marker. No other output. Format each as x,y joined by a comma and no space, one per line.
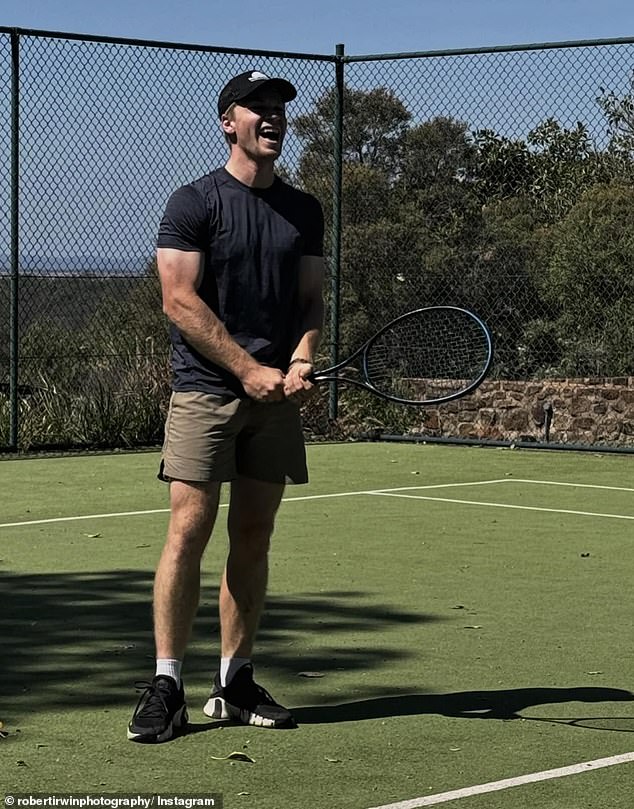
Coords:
450,625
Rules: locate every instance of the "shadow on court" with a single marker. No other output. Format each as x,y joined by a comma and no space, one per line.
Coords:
499,704
71,640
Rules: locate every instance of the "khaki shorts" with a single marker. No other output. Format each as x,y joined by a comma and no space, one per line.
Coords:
209,437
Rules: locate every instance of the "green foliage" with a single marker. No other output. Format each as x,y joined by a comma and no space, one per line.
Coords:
98,370
619,114
512,245
374,125
403,210
552,167
114,402
590,278
436,152
503,166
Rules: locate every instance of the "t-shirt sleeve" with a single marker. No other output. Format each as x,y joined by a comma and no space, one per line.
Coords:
314,229
185,221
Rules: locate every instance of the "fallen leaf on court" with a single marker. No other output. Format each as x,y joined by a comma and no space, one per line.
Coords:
21,763
454,749
235,756
459,607
475,626
241,794
333,760
311,674
146,545
92,536
594,672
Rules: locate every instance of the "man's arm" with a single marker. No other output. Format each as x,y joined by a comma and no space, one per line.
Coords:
180,272
311,302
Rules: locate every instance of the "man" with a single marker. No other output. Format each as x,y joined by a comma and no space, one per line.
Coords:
240,258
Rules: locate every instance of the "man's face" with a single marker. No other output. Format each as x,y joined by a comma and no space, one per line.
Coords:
258,124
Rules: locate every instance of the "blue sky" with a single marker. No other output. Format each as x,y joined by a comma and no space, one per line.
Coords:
364,26
93,119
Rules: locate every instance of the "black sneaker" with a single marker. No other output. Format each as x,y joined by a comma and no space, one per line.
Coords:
246,701
160,711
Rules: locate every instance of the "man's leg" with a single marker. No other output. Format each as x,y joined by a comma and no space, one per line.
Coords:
162,708
243,590
242,593
177,583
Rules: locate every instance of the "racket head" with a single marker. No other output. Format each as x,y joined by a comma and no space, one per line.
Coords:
428,356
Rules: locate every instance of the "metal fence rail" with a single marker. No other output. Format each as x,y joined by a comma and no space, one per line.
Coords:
493,178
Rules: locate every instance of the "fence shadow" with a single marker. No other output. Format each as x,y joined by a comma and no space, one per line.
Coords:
82,639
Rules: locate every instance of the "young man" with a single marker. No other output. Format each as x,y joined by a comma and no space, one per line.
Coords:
240,258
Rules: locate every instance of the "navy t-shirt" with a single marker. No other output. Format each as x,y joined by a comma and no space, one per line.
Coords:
251,240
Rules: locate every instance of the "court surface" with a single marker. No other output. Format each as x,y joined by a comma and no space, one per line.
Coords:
452,626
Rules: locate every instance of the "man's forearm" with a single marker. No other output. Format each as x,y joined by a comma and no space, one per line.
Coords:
208,335
307,346
310,332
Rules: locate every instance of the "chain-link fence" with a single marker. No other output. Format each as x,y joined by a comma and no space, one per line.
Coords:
500,180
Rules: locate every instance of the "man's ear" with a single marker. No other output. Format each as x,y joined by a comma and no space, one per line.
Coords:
228,125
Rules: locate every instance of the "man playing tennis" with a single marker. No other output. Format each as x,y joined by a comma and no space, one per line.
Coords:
240,259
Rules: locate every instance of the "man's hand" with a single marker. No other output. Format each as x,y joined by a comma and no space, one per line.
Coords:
297,386
264,384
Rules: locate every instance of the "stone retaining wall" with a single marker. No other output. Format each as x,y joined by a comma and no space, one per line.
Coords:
560,411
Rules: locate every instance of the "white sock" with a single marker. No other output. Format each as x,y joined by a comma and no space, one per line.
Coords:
229,666
168,667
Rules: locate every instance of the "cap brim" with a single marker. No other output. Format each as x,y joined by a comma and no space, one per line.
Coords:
286,90
284,87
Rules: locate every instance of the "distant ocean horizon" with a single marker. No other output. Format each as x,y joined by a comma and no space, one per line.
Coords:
77,265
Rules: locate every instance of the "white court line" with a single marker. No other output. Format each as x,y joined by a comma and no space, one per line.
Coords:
224,505
83,517
507,783
363,492
387,493
578,485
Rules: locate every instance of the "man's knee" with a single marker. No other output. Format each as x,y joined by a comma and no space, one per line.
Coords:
251,534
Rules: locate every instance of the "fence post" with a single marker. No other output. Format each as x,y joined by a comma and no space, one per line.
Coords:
15,240
336,226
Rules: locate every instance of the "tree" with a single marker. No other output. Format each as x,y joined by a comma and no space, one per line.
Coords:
436,152
514,246
374,124
552,167
619,112
589,278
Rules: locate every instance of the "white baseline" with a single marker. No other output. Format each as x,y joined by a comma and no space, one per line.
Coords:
507,783
224,505
393,492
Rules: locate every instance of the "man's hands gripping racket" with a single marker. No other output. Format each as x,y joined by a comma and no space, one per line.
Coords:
424,357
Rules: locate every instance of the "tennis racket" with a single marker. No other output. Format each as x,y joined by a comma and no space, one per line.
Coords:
425,357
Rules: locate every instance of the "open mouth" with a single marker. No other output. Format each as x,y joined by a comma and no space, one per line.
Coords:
269,133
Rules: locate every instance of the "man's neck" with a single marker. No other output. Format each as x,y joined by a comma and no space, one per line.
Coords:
248,172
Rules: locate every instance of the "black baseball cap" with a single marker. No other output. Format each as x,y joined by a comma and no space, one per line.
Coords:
244,84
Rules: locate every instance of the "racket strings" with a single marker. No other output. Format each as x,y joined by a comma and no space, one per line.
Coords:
429,355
